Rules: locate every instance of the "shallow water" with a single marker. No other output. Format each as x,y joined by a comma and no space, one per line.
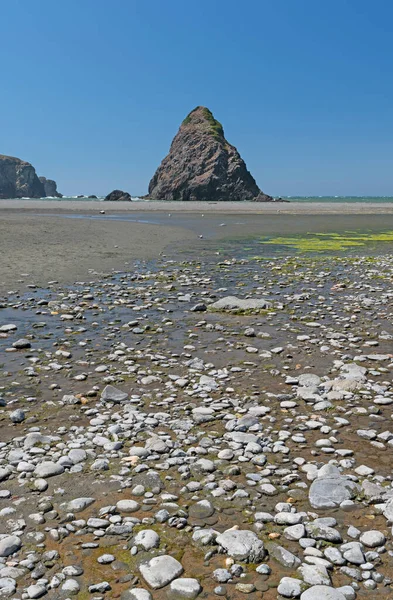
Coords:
234,226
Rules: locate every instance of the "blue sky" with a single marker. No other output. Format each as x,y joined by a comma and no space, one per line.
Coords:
93,91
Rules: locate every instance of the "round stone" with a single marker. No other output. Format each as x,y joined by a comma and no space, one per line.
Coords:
17,416
127,506
106,559
147,539
372,538
71,586
9,545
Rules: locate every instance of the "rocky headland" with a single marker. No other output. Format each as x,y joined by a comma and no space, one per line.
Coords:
18,179
202,165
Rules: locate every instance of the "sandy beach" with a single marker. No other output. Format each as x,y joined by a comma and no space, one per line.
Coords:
37,249
223,208
68,241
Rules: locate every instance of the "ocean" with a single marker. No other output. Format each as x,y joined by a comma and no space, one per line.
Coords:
310,199
352,199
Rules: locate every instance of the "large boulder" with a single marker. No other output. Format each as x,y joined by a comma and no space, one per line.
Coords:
233,303
202,165
18,179
322,592
331,488
160,570
118,196
242,545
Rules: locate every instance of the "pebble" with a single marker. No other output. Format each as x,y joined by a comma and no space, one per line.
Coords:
213,409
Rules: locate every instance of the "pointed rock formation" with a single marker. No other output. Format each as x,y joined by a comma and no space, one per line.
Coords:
50,187
18,179
202,165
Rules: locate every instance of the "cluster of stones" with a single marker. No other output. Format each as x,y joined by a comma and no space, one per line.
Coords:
180,430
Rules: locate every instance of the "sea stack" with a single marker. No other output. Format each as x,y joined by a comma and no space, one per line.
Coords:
18,179
202,165
50,187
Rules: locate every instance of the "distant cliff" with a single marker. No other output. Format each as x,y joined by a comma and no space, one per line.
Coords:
18,179
202,165
50,187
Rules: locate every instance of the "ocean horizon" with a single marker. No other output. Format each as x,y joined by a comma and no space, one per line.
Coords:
309,199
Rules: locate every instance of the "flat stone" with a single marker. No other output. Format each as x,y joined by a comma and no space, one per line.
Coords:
21,344
112,394
283,556
127,506
322,592
295,532
185,587
147,539
136,594
48,469
318,531
242,545
9,544
77,505
314,574
7,587
201,510
239,304
36,590
331,488
70,586
7,328
289,587
160,570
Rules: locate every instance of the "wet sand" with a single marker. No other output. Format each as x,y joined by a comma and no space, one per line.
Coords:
35,250
41,246
206,207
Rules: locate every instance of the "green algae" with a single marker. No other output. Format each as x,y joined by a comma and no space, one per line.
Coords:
330,242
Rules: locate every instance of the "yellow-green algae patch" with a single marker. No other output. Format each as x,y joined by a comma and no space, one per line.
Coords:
325,242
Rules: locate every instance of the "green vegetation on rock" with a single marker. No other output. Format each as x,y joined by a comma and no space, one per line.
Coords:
215,126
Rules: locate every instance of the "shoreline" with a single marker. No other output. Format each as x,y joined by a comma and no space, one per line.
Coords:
223,208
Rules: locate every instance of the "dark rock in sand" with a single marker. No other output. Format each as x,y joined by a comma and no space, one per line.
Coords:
202,165
50,187
119,196
18,179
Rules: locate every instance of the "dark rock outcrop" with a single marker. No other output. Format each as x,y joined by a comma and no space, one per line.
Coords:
50,187
202,165
18,179
119,196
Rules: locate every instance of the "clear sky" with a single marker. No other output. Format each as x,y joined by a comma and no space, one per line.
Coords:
93,91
